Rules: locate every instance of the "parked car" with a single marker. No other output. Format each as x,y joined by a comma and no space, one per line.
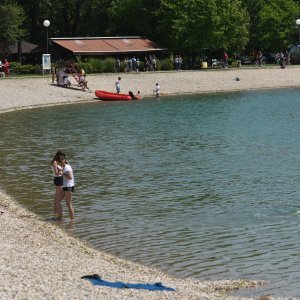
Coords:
246,60
215,63
266,59
269,58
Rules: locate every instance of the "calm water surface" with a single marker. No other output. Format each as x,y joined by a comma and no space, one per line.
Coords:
199,186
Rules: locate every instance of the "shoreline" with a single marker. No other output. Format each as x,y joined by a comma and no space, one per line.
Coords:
41,261
46,261
32,92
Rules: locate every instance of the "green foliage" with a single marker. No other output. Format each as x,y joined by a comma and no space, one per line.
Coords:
12,18
158,65
109,65
97,65
18,68
272,23
183,26
86,66
166,64
276,20
134,17
196,24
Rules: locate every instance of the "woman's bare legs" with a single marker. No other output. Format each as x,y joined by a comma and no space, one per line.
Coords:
59,195
68,196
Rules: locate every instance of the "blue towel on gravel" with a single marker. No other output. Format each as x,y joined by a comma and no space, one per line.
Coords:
97,280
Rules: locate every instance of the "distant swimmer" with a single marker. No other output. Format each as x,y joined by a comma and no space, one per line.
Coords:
157,90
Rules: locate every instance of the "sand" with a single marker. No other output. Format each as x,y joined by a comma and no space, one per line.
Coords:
40,261
30,92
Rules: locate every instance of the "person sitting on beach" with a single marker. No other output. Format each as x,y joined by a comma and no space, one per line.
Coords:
66,81
83,82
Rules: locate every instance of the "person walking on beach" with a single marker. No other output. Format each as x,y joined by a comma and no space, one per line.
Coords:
157,90
225,59
58,179
117,65
68,188
6,67
118,85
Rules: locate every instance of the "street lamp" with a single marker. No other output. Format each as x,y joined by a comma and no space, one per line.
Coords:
46,24
298,24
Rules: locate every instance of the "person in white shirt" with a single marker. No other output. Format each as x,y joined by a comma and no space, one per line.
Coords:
68,187
118,85
157,90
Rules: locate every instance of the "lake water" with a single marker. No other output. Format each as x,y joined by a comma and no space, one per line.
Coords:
202,186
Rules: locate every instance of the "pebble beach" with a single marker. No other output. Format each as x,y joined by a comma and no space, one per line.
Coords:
38,260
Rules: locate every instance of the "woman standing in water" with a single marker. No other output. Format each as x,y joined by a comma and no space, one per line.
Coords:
56,164
68,188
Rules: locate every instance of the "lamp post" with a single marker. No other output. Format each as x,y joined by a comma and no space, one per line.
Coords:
46,24
298,24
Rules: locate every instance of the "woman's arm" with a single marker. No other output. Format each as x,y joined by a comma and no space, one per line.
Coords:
68,175
55,168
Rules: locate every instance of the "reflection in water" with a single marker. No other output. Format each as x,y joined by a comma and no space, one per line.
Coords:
203,186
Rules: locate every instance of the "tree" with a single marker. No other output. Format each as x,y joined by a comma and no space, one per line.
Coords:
276,24
188,25
272,23
134,17
12,18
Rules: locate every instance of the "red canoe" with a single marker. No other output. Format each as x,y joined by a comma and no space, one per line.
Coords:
108,96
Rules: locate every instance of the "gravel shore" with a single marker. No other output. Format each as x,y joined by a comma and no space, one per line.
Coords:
40,261
22,93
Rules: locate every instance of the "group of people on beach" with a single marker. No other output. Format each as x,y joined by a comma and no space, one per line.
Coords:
62,78
135,97
134,64
64,184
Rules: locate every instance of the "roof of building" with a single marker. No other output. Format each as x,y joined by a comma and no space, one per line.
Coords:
26,47
107,45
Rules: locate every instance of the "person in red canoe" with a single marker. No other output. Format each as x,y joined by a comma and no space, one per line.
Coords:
134,97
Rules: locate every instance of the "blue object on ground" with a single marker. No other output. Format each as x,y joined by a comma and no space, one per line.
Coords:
97,280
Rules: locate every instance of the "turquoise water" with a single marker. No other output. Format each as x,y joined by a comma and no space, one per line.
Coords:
198,186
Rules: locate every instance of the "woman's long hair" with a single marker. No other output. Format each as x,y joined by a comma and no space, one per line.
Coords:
59,156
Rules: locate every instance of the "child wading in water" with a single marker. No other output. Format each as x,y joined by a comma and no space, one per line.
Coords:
157,90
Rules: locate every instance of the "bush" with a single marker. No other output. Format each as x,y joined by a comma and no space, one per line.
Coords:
38,69
166,64
97,65
15,67
109,65
158,65
86,66
123,66
27,69
18,68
